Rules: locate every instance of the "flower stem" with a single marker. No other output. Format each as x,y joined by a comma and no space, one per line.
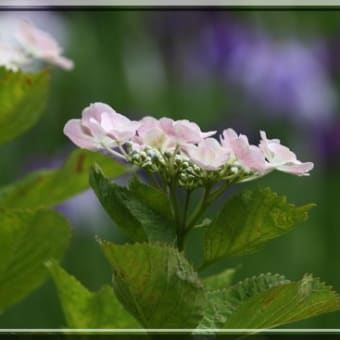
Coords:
114,153
200,208
153,180
218,192
186,207
183,226
174,203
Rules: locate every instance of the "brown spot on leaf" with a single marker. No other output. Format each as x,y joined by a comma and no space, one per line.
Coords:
28,81
80,163
269,298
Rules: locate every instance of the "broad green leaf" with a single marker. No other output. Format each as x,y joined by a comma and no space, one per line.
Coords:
85,309
284,304
22,97
112,197
223,302
220,280
152,197
50,187
248,220
28,238
156,284
138,217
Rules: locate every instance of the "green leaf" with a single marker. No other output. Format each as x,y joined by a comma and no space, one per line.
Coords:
223,302
113,197
50,187
85,309
152,197
22,97
137,216
156,284
220,280
283,304
28,238
248,220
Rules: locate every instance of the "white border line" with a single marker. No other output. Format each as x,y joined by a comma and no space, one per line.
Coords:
46,3
143,331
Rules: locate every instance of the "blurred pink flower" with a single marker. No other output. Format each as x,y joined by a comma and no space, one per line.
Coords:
41,45
208,154
249,156
281,158
11,57
100,126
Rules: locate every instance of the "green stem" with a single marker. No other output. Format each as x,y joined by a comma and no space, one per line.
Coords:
182,230
186,207
208,198
114,153
218,192
121,149
200,209
154,180
174,203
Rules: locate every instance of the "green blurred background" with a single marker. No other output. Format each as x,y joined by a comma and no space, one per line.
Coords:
250,70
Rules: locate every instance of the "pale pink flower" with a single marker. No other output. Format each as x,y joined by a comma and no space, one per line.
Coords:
281,158
208,154
147,124
11,57
41,45
249,156
100,126
151,134
183,131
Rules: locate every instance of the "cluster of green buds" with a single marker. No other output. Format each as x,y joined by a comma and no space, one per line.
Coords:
177,166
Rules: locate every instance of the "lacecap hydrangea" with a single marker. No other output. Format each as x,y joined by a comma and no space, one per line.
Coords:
178,149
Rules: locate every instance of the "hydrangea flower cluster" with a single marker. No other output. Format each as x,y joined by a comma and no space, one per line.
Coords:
179,150
31,43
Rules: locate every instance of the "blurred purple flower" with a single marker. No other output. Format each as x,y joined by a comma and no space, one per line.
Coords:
285,76
327,144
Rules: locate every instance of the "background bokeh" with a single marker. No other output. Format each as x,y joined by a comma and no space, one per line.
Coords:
250,70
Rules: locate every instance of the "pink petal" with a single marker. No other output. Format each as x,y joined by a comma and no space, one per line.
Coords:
208,134
147,124
95,111
299,169
38,40
64,63
254,159
281,153
227,137
95,128
240,146
208,155
106,122
167,125
184,130
190,132
158,139
76,134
